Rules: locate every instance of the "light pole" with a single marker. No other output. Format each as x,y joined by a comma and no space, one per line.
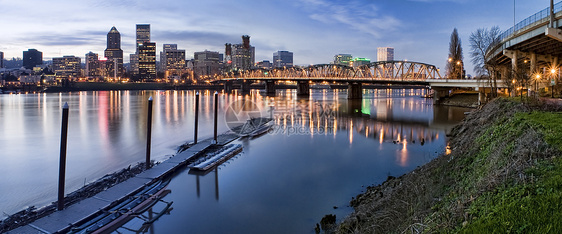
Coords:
536,80
552,72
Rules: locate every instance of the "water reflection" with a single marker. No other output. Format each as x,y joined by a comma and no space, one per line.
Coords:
389,131
107,132
320,153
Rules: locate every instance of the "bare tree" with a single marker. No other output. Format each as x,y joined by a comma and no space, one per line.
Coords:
481,42
454,63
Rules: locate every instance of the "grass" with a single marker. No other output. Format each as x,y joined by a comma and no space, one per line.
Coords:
519,206
523,208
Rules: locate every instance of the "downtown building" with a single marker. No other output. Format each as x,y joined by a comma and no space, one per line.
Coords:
67,67
240,57
114,54
93,66
206,64
147,61
343,59
172,61
265,64
32,58
385,54
1,59
357,62
282,59
142,36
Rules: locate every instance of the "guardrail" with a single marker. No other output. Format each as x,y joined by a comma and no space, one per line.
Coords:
539,16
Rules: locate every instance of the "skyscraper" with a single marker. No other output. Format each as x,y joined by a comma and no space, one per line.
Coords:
283,59
240,56
143,34
385,54
147,61
67,67
114,53
32,58
92,65
1,59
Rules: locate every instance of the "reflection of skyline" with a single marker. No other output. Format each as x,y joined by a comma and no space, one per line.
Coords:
107,129
387,119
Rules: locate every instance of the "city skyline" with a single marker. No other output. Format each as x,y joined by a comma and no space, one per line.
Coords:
315,30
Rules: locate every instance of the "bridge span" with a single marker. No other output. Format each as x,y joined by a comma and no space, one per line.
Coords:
388,73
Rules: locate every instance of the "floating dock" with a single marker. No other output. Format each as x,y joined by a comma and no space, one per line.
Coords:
210,161
91,208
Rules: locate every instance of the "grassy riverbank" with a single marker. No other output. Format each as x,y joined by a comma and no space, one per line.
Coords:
504,174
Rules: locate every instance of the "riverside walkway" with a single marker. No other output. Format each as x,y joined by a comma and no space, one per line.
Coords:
61,221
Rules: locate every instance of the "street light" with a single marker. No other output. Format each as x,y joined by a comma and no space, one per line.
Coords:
538,77
552,72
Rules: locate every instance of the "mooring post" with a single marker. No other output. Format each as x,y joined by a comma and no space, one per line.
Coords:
62,163
196,116
216,114
148,132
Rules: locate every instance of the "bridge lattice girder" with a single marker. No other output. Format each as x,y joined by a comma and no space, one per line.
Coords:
387,70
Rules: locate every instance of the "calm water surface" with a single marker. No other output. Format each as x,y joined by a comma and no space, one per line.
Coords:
321,152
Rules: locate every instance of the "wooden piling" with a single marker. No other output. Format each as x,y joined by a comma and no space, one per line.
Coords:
148,132
62,163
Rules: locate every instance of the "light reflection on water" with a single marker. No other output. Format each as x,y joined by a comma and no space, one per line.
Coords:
320,153
107,132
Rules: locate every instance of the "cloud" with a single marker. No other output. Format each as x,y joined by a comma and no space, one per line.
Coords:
432,1
57,39
358,15
199,37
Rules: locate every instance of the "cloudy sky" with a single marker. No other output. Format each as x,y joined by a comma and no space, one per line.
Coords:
314,30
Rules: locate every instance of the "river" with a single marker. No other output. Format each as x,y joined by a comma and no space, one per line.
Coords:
321,152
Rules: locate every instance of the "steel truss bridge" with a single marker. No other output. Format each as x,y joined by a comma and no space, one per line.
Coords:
386,72
376,72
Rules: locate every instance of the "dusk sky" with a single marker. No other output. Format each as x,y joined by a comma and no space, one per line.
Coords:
314,30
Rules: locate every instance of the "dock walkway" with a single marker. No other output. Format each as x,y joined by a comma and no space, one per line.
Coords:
62,220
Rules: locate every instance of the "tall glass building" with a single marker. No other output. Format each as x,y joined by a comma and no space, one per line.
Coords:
147,61
385,54
283,59
114,54
32,58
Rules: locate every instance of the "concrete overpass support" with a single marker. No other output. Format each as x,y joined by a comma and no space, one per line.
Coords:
513,55
303,88
354,90
270,87
533,63
439,93
228,86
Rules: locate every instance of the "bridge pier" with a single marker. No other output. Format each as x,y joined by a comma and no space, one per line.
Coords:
228,86
354,107
270,87
354,90
303,88
245,86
